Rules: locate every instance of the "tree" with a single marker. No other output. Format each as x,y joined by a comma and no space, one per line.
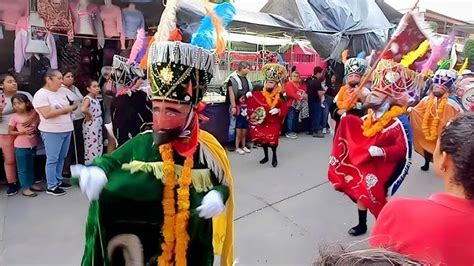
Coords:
469,52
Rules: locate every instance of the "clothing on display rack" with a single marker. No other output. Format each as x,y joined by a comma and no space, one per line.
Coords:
11,11
33,41
132,21
57,16
111,16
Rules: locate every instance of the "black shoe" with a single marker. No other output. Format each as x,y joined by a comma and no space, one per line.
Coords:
264,160
425,167
318,134
231,149
65,185
274,162
13,189
358,230
56,192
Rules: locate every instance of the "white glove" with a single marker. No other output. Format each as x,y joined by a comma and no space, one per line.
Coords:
409,109
376,151
248,94
211,205
92,180
274,111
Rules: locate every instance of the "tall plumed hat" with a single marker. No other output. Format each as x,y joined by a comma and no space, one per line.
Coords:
275,72
445,78
181,72
124,73
355,66
397,81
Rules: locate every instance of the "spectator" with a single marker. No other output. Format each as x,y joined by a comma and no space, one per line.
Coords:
315,91
331,92
25,143
56,127
92,127
9,86
294,94
238,85
241,127
76,147
440,228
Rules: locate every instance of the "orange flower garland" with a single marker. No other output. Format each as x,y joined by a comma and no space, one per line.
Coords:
168,206
174,229
273,98
431,132
346,100
370,129
182,237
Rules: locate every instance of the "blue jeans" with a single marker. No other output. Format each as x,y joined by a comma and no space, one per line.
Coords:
291,119
231,133
316,116
25,163
328,102
57,146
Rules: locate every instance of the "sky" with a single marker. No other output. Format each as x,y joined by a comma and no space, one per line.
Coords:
459,9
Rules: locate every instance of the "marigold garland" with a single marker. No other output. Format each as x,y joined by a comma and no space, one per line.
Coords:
175,225
370,129
273,98
431,132
346,100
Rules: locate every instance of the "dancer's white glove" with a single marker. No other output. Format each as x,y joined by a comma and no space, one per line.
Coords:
248,94
409,109
211,205
92,180
376,151
274,111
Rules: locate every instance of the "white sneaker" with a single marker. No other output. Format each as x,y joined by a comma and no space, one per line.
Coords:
240,151
325,131
247,150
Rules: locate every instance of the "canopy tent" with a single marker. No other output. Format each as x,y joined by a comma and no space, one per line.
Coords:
334,25
390,13
190,14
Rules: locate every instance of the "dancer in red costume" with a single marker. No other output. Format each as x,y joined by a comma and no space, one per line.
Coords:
371,155
267,111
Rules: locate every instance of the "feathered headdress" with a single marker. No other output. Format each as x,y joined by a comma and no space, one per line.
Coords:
438,52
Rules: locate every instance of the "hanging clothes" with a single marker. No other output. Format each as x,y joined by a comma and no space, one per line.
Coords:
25,39
56,16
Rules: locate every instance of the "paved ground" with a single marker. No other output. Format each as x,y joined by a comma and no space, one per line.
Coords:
282,216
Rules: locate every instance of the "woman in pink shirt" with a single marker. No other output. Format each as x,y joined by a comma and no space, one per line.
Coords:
25,143
438,230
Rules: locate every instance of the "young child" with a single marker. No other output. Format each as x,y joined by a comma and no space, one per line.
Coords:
241,126
25,143
92,126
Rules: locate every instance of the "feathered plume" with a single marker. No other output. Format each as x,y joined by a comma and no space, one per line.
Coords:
464,66
438,52
137,46
412,56
167,22
344,56
361,55
454,57
444,64
210,33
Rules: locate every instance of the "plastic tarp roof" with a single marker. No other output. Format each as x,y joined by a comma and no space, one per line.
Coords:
190,14
334,25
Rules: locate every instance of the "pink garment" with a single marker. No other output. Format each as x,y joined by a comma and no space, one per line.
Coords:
21,41
56,16
11,11
112,18
6,144
22,141
79,18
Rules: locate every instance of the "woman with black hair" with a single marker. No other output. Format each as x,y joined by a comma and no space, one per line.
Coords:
438,230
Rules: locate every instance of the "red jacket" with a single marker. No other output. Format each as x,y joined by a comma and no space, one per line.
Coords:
293,93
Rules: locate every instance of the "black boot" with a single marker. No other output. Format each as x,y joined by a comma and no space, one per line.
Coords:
426,166
265,152
361,228
274,158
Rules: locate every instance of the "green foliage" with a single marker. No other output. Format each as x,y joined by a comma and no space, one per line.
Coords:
469,52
